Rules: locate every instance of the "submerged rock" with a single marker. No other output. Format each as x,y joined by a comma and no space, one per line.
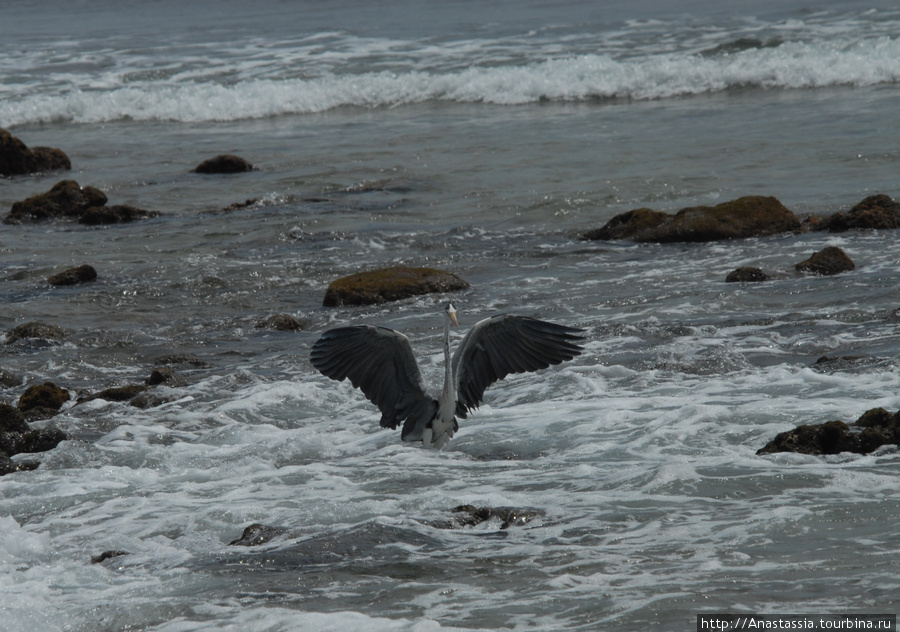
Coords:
66,199
166,376
389,284
875,428
746,275
107,555
8,378
282,322
74,276
257,534
470,515
875,211
17,159
115,214
46,395
749,216
828,261
12,419
224,163
37,330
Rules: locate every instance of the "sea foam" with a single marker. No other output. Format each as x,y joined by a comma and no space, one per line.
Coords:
585,77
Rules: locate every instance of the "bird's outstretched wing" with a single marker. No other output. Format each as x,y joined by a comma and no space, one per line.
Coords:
504,344
379,362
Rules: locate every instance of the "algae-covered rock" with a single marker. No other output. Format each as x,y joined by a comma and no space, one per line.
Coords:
66,199
390,284
35,330
749,216
115,214
74,276
874,212
746,275
828,261
46,395
224,163
875,428
16,158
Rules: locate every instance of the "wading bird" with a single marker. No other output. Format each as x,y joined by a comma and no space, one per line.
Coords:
380,362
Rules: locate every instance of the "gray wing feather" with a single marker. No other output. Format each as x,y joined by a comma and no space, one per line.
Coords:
379,362
504,344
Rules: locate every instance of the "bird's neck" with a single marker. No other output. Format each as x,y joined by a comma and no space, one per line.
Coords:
448,394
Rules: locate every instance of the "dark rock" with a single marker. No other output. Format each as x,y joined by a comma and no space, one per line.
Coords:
39,413
47,395
257,534
74,276
830,260
746,275
6,465
166,376
107,555
41,331
31,441
17,159
389,284
282,322
875,428
185,359
831,437
224,163
12,419
65,200
8,378
875,211
750,216
628,225
40,440
115,214
470,515
117,393
148,400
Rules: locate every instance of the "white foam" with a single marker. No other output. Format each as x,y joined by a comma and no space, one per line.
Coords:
793,65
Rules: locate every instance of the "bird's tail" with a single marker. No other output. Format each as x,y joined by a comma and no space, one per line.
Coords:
438,432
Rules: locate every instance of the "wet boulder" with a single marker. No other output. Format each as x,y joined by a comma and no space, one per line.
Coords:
389,284
875,211
35,330
746,275
66,199
749,216
115,214
47,395
10,378
74,276
17,159
224,163
828,261
166,376
628,225
12,419
470,515
875,428
257,534
282,322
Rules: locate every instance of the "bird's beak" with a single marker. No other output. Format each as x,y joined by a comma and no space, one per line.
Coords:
453,318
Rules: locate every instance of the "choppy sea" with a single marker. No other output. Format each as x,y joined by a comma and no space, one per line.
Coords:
482,141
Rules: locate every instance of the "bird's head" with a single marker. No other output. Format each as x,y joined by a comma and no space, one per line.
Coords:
450,310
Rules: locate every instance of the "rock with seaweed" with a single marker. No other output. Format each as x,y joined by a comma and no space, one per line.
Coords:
875,428
390,284
17,159
749,216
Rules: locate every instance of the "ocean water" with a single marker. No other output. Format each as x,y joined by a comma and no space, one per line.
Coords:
483,141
